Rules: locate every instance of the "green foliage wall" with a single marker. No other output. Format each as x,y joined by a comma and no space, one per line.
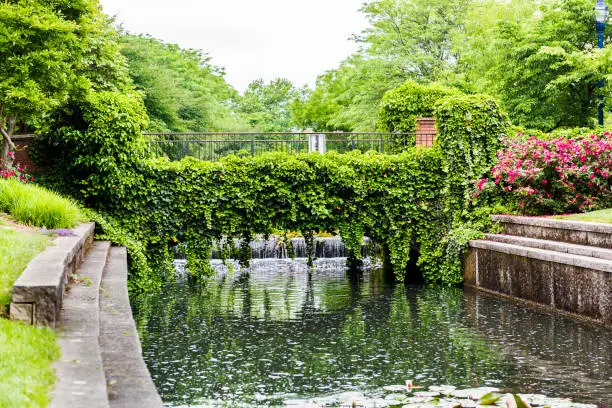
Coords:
401,106
415,199
471,129
394,199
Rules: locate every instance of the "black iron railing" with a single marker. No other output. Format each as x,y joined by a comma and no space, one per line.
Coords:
213,146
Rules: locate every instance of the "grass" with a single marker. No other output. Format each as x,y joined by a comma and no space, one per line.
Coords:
34,205
26,352
604,216
16,250
26,355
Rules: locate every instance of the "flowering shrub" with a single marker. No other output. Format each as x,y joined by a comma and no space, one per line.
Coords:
8,170
554,176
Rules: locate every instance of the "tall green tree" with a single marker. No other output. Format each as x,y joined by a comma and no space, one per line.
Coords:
266,105
182,89
39,41
347,98
539,58
415,34
407,39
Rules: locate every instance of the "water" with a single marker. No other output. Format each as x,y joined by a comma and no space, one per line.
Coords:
281,332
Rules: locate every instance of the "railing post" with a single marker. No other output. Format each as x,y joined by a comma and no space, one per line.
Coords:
381,144
252,144
322,143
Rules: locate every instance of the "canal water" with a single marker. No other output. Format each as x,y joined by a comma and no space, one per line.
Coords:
280,332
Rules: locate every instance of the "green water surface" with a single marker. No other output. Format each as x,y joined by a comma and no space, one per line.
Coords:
281,331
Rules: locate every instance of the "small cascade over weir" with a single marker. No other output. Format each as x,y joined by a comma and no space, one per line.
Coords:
277,248
329,252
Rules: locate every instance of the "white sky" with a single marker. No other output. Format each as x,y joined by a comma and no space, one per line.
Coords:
251,39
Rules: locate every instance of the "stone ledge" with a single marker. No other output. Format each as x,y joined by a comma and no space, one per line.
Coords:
564,247
38,292
545,255
554,223
128,378
580,286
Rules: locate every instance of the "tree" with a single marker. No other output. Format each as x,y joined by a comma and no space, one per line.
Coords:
414,34
38,44
348,97
183,91
540,59
266,106
408,39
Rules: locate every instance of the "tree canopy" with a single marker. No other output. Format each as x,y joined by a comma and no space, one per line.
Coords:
539,58
182,90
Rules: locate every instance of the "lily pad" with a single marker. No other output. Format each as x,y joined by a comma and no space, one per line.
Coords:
395,388
443,389
489,399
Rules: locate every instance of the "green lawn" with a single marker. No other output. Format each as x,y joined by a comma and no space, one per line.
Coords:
595,216
16,250
26,352
26,355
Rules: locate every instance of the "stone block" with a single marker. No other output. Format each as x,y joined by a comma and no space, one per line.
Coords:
43,281
23,312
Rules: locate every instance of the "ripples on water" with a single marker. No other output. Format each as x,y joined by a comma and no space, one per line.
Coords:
281,331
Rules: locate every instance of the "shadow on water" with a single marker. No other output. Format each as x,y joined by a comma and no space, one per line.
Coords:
283,331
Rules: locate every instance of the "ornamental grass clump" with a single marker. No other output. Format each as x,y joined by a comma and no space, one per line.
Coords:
33,205
554,176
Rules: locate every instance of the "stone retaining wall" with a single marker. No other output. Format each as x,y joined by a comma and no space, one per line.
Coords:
581,233
38,292
569,283
559,264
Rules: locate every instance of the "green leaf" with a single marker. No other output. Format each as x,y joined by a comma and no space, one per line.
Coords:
489,399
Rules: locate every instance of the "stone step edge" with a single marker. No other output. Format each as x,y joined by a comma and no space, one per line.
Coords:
564,247
545,255
554,223
37,293
80,374
128,379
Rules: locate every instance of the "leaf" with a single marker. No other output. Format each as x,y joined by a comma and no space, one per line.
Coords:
519,402
489,399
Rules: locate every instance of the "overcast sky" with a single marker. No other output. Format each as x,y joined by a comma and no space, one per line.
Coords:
295,39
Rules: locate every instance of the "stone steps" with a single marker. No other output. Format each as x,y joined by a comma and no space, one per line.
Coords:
573,232
79,370
101,363
563,265
572,249
128,378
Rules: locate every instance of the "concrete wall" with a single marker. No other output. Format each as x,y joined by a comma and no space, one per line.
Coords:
558,264
579,290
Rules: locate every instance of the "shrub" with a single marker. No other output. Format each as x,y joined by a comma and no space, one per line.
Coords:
34,205
554,176
401,106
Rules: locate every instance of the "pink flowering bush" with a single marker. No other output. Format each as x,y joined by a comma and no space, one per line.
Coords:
8,170
553,176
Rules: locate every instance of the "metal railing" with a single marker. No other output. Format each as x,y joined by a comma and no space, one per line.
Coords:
213,146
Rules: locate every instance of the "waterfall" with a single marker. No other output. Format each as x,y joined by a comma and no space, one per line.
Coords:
276,248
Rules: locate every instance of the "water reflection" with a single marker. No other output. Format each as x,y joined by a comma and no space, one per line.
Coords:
282,331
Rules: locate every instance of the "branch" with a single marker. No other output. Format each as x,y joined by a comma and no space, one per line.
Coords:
7,137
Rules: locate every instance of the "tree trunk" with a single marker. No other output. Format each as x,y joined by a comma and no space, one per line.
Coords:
7,143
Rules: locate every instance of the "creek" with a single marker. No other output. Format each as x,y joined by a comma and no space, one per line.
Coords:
281,332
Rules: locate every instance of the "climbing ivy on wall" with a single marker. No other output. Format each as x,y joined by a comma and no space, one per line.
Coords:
414,199
401,106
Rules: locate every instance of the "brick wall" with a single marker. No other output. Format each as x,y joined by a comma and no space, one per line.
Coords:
426,131
22,146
